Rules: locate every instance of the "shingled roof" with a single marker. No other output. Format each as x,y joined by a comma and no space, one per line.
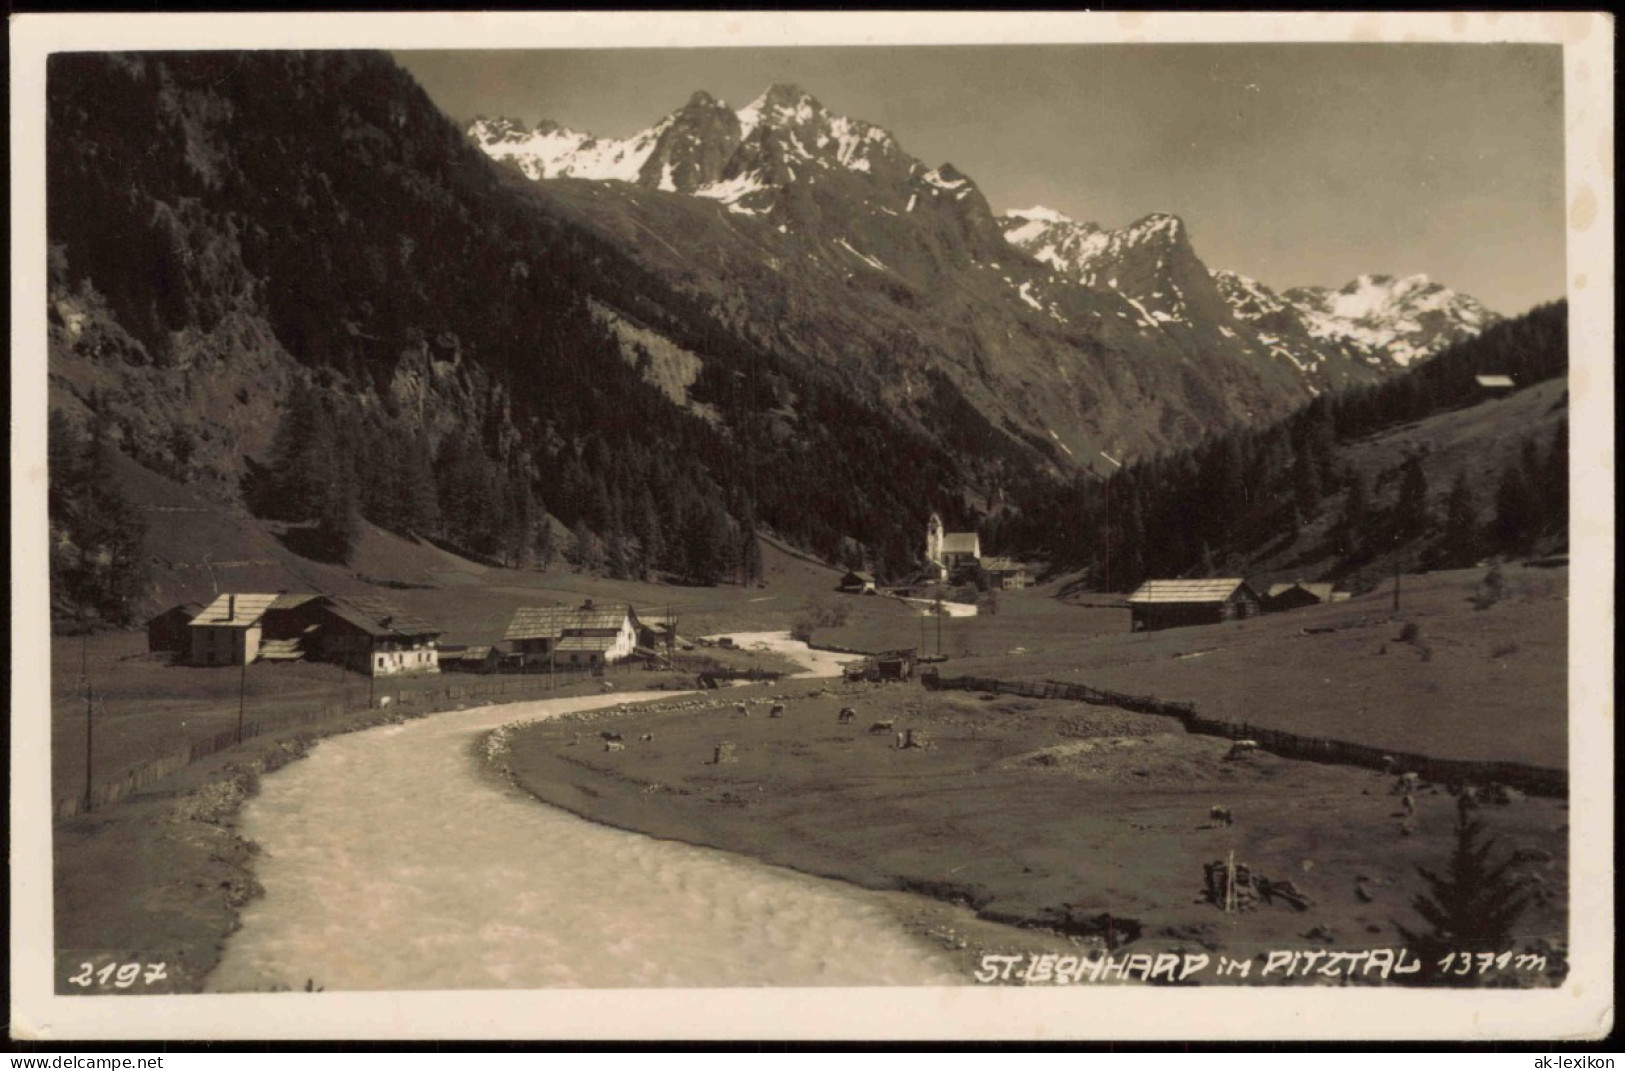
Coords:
551,622
1185,591
960,543
234,609
585,643
378,617
1323,592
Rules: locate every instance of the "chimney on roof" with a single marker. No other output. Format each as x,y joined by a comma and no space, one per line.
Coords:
231,607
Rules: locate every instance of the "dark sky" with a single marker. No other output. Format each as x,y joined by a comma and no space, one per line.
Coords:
1297,164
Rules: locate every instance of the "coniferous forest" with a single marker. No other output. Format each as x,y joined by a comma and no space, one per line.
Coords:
442,371
1185,513
383,253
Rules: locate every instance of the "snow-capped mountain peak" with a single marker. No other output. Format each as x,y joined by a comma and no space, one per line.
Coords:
780,104
1388,319
1040,214
705,148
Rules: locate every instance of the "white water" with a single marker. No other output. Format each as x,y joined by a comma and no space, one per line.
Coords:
818,663
394,860
949,609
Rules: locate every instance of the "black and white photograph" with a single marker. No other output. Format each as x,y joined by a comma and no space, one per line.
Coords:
723,525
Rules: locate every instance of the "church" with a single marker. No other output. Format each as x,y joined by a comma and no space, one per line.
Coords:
949,552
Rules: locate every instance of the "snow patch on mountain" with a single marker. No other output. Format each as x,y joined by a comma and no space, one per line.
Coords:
866,258
551,151
1376,319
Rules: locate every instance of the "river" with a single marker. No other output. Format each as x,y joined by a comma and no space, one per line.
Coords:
393,859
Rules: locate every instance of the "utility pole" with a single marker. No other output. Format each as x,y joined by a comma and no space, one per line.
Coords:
242,690
939,618
90,703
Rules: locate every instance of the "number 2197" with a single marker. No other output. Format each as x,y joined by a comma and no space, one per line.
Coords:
118,975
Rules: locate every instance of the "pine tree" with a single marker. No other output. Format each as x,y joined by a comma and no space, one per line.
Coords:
1411,516
1462,541
112,537
1517,508
585,549
646,530
420,507
1475,904
1555,480
1356,517
1306,485
546,546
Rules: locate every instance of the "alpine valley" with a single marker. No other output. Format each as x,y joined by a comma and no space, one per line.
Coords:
820,233
289,282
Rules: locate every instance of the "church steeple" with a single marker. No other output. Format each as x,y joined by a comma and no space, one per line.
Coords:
933,540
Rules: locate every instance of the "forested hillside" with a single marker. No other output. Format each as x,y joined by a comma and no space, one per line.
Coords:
1231,504
286,276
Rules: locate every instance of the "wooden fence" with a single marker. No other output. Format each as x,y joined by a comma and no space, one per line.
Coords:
468,690
1535,780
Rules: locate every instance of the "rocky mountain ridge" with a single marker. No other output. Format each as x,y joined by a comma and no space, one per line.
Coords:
1135,304
1375,320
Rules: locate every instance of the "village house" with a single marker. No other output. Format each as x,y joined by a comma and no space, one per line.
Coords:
170,630
585,638
856,582
1159,604
1300,594
228,631
656,632
889,666
1495,385
372,636
470,658
950,552
1005,575
292,623
365,633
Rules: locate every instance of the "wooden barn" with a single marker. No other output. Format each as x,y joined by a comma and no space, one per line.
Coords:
290,628
472,658
856,582
1159,604
1296,596
895,665
1005,575
168,631
657,632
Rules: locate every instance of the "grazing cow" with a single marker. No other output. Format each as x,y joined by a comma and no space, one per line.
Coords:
614,745
647,737
742,710
1242,747
881,727
1409,781
846,715
610,734
1220,814
1389,763
1407,803
1406,828
777,711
